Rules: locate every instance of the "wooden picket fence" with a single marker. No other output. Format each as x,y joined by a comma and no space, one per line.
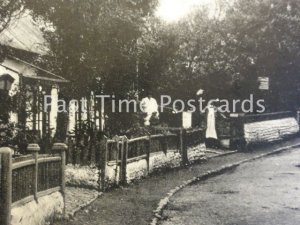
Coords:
120,150
90,153
29,177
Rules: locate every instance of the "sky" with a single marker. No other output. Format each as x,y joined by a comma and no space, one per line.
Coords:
174,10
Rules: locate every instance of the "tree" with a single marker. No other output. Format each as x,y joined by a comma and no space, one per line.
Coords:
225,54
9,9
95,40
94,43
188,55
267,33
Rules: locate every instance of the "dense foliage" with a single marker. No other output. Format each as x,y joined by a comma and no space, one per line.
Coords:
9,9
95,41
120,47
225,54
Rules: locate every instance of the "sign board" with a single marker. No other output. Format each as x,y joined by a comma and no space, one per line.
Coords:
186,120
264,83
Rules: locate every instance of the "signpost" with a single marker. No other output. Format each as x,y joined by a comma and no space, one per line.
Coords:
264,83
186,120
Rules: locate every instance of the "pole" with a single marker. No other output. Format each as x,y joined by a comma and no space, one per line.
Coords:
61,148
34,149
183,147
6,186
124,155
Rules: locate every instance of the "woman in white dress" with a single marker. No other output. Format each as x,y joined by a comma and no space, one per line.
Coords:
211,137
150,107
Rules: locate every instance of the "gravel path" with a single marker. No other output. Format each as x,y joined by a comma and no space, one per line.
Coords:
77,198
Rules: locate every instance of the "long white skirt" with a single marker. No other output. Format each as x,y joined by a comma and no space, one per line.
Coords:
211,124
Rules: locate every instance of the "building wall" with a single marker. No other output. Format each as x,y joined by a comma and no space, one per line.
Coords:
14,68
3,70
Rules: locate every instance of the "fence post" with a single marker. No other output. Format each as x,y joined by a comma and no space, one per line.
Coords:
34,150
6,185
298,116
124,155
164,143
117,139
103,162
236,128
148,150
183,147
70,151
62,148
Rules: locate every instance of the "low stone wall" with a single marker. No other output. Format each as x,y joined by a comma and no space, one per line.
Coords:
160,160
47,209
196,153
89,176
137,170
270,131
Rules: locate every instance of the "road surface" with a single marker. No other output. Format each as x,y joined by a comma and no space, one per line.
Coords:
266,192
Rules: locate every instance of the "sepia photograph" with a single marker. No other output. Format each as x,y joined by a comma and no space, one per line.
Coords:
149,112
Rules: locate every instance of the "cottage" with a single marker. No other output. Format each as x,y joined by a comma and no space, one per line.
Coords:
22,43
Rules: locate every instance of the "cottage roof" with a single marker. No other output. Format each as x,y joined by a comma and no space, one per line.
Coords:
25,34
